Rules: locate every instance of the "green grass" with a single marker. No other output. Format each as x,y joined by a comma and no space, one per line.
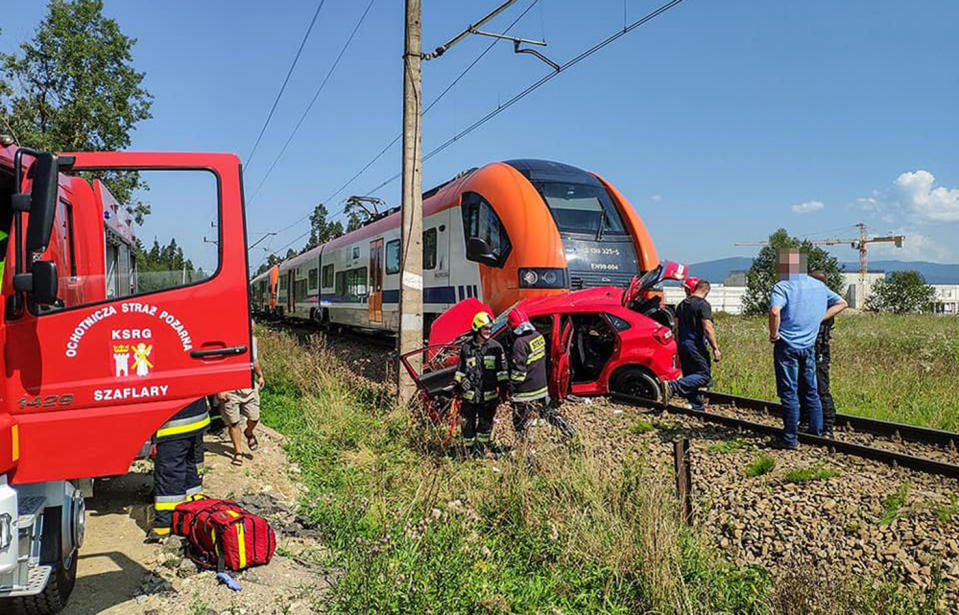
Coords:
892,505
946,512
892,367
727,446
819,471
641,426
761,464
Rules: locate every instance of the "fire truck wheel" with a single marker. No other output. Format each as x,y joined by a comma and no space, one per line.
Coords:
63,576
636,382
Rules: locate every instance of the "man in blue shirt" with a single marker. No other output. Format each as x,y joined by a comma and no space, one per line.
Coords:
798,305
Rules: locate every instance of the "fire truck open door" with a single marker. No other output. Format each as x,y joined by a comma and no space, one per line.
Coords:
559,364
88,384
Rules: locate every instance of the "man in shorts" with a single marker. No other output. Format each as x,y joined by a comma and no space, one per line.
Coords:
245,402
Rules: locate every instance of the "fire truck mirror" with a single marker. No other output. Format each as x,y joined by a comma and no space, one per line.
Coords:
43,206
45,282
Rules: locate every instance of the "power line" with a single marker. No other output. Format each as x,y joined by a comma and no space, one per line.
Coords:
430,106
276,101
315,97
536,85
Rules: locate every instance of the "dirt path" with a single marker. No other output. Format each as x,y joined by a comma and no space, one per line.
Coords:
119,574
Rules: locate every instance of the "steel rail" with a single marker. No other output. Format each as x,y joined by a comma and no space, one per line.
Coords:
863,424
921,464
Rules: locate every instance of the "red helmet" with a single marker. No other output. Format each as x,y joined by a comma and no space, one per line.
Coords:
516,318
690,284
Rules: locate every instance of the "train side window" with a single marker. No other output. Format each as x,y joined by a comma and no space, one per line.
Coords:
429,248
480,221
340,289
328,276
393,257
313,278
282,282
356,251
300,289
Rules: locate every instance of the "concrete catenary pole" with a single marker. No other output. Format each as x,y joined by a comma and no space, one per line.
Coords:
411,232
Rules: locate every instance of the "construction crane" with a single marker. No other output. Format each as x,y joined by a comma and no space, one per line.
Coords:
859,243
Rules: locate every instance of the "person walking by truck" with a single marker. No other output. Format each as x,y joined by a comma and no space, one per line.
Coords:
480,380
798,305
175,476
823,354
528,377
694,326
243,403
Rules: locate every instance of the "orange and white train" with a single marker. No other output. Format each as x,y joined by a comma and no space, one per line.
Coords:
500,233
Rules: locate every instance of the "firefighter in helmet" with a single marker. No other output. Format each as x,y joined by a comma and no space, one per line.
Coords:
481,380
528,376
175,476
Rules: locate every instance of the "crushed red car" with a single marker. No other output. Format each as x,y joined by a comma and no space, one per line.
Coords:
601,340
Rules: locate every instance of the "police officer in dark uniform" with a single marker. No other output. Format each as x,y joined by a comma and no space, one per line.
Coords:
480,379
823,357
175,476
528,376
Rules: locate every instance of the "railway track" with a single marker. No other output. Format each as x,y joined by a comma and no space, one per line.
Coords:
925,450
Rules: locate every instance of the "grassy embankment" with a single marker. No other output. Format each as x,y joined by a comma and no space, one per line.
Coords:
414,531
896,368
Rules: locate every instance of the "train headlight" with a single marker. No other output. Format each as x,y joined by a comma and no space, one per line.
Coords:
543,277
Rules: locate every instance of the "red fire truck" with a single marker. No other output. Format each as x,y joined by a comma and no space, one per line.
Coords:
97,354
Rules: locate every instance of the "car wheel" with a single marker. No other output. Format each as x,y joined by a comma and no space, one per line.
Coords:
636,382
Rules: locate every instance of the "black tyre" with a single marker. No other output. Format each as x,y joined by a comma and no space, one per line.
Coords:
636,382
63,576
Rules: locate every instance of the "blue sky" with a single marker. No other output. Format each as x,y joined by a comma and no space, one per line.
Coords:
720,121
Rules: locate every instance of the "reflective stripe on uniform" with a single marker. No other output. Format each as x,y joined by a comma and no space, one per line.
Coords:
490,395
483,437
469,441
181,426
502,376
195,492
167,502
536,356
489,361
518,376
458,376
468,395
530,395
161,531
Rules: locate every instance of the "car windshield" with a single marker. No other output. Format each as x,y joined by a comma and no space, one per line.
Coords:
581,208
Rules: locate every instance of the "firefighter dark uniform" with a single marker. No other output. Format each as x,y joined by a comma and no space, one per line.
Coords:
528,377
175,477
480,375
823,357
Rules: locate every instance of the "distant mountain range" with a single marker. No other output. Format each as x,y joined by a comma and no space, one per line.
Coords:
935,273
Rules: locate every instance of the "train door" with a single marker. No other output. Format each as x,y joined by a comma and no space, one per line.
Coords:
291,291
375,303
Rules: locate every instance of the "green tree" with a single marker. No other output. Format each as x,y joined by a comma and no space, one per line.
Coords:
74,88
163,266
321,230
763,274
902,292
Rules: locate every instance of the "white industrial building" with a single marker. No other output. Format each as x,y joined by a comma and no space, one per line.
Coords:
728,296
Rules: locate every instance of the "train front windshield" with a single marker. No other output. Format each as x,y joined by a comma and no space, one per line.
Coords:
581,208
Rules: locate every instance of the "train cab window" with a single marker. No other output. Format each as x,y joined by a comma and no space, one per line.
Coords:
429,248
581,208
328,276
480,221
313,279
393,256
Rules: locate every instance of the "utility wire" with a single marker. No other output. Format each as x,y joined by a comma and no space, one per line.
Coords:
430,106
313,101
276,101
536,85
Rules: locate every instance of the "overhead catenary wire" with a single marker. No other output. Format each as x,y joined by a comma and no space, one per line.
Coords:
279,94
428,107
536,85
306,111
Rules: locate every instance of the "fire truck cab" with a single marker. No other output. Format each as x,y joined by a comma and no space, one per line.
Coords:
99,349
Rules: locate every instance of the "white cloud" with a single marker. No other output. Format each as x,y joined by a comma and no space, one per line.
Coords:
915,246
914,191
808,207
656,197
